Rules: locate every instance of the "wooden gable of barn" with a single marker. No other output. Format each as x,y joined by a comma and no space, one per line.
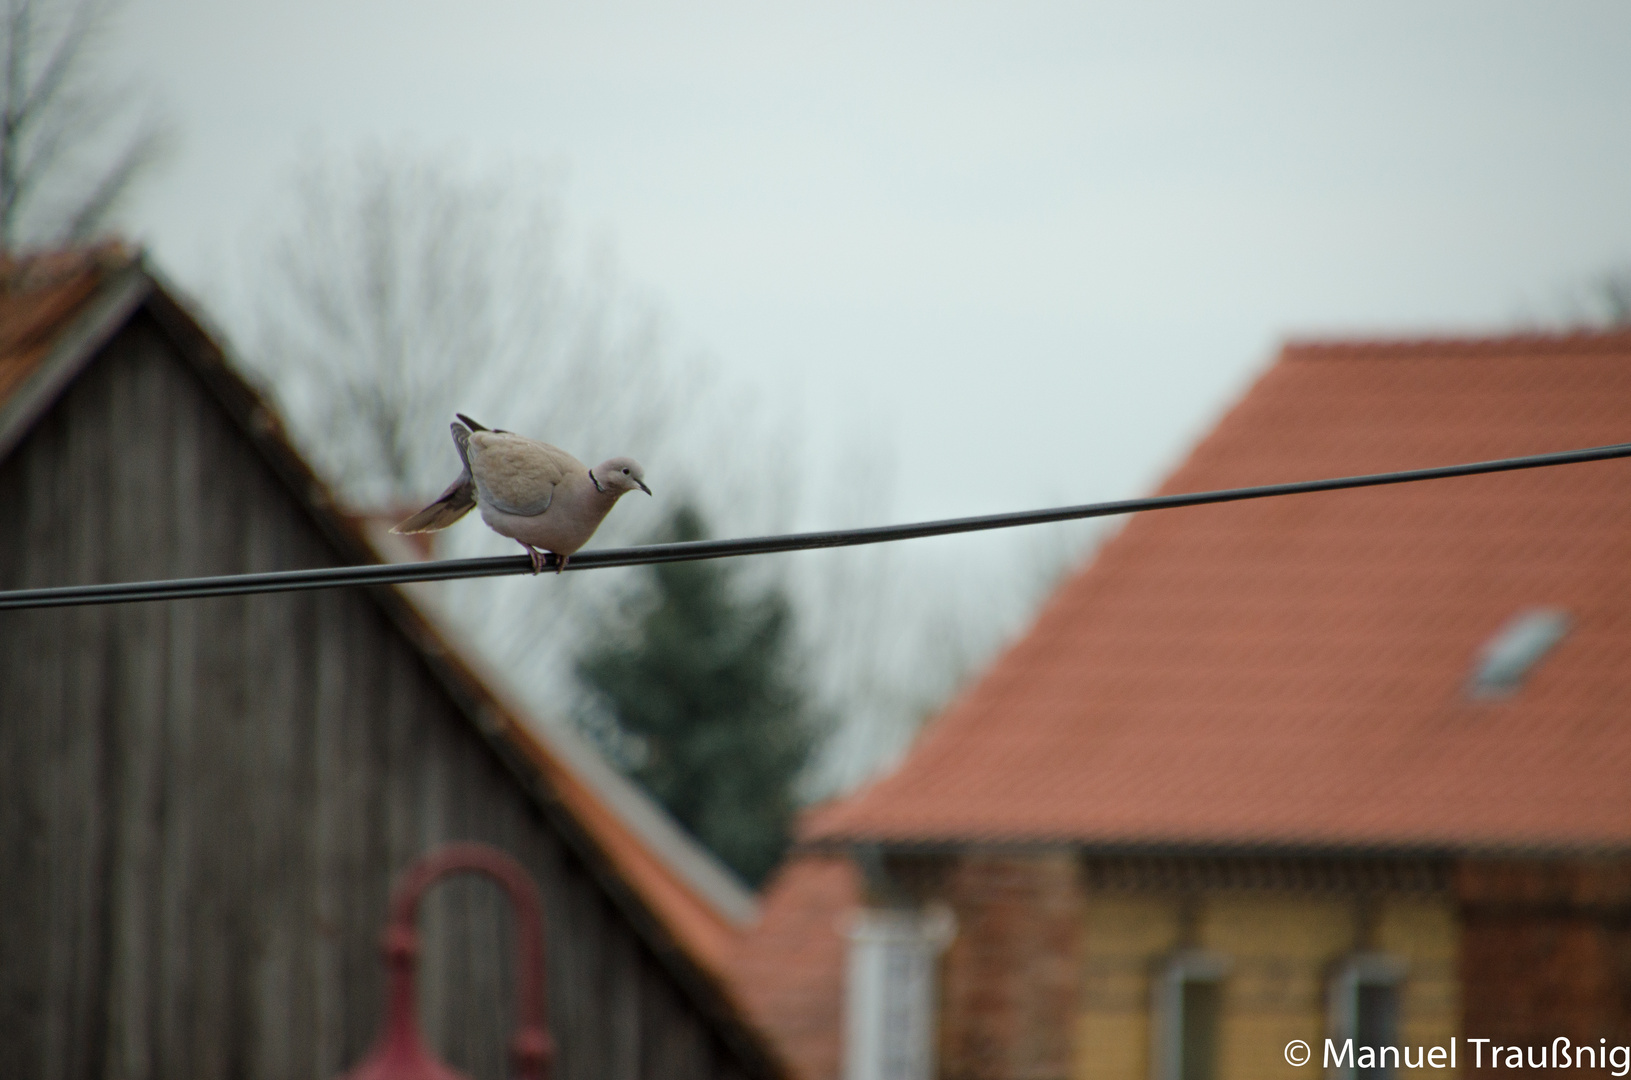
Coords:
204,802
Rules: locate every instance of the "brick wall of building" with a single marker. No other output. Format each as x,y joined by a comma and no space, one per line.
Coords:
1547,950
1010,977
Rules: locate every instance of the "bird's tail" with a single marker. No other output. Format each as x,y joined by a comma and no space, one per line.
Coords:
455,502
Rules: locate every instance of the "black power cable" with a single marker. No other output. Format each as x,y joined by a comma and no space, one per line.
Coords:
399,573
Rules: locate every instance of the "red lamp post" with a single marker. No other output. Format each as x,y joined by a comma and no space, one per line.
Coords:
401,1052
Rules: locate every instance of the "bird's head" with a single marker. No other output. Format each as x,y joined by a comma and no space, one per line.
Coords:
619,476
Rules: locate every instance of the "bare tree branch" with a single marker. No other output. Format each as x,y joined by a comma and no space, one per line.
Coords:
403,289
65,56
97,204
70,146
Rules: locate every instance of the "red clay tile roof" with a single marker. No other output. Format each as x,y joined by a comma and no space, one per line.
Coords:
38,297
697,925
1292,672
789,969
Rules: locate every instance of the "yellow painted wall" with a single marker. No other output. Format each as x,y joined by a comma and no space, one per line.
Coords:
1425,933
1281,948
1121,936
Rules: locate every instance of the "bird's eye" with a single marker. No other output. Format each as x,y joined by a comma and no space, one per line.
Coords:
625,472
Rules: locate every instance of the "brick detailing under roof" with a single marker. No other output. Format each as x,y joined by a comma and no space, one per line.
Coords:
1290,673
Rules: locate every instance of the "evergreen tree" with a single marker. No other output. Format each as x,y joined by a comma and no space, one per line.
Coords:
703,684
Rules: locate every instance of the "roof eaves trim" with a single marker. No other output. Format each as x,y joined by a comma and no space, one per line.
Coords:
1473,847
1564,342
517,746
112,304
694,863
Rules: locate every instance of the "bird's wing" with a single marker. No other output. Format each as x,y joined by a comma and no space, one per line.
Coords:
455,502
517,475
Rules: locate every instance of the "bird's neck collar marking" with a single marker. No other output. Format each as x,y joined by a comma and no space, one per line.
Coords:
595,482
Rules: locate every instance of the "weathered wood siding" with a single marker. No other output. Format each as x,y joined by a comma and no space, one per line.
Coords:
203,803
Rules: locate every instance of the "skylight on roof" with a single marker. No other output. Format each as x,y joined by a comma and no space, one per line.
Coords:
1506,658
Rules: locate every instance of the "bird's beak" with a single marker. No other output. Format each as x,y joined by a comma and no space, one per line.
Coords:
643,487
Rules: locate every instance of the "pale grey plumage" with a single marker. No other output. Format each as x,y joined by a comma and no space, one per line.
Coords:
536,494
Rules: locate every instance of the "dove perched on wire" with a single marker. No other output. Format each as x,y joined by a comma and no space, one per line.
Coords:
538,495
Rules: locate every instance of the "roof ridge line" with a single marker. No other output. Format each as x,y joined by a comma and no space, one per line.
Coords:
1582,341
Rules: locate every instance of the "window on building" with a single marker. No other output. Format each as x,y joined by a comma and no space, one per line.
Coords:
1187,1014
1365,1008
1198,1054
890,1006
1506,658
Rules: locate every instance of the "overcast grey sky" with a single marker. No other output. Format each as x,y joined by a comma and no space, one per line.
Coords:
1034,247
1020,253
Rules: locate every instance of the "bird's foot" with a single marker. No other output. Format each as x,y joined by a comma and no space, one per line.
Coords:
560,562
537,558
